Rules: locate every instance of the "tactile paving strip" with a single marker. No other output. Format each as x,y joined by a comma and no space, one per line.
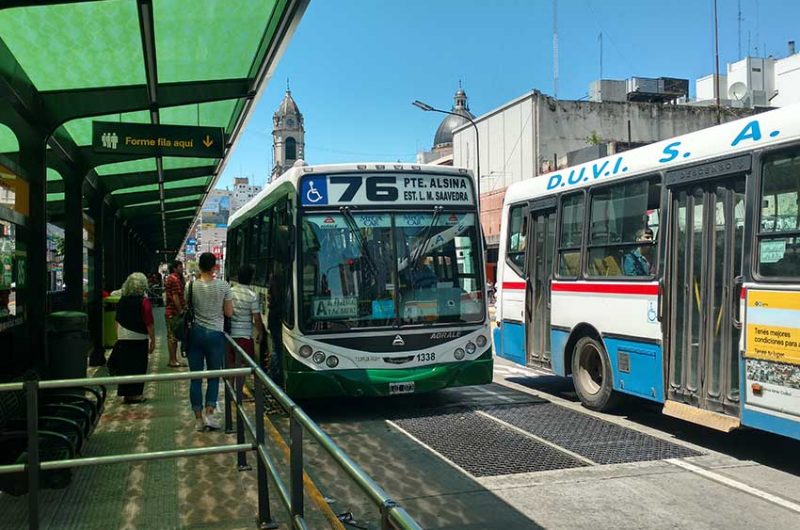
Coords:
598,440
484,447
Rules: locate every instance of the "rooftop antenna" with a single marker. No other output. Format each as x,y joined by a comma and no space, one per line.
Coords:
739,22
555,49
757,24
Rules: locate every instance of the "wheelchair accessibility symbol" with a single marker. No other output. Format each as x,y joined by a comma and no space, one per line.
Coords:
315,192
651,312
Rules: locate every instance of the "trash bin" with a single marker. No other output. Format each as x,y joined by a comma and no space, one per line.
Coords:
110,321
68,344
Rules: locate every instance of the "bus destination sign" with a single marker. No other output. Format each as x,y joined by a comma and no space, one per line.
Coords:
157,140
358,189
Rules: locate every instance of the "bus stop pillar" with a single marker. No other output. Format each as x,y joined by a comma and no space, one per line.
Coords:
32,156
73,242
97,357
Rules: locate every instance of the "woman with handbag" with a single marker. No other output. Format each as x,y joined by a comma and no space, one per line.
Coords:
136,337
210,301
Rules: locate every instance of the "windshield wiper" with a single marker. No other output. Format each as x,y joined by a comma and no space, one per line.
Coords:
423,246
353,226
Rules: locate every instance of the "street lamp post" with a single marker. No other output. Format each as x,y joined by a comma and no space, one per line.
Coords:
427,108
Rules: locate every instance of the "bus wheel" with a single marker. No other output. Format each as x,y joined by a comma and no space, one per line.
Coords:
591,374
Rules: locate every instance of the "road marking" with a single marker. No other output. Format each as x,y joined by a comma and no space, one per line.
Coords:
540,440
722,479
431,449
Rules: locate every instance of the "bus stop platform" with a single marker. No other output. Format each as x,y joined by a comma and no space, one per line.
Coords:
197,492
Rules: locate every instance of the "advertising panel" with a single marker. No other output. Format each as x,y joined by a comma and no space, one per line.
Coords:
772,350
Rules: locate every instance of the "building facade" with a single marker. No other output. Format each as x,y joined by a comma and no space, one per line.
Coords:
242,192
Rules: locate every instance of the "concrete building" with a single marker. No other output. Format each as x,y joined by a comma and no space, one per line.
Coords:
535,134
242,192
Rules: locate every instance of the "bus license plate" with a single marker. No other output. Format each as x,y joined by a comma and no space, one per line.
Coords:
401,388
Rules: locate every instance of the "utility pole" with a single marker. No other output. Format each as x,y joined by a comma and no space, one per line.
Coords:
555,49
716,63
600,38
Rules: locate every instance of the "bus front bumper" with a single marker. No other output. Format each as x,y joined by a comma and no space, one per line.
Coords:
309,384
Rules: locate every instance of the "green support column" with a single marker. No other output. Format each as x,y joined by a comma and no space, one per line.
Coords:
73,242
32,159
97,357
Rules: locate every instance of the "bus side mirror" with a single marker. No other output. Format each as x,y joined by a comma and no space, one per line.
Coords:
284,243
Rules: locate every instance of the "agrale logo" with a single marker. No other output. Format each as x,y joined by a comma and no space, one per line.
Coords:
398,341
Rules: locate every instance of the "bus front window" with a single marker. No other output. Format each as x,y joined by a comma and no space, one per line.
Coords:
365,270
437,264
346,276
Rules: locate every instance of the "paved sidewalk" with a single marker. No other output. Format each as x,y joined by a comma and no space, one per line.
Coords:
200,492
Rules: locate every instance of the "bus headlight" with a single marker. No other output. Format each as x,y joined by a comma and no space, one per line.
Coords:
332,361
305,351
458,354
318,357
480,341
470,347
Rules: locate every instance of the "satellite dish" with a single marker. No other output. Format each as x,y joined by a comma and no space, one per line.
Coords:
738,91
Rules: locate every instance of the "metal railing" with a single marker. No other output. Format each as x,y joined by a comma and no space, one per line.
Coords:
393,516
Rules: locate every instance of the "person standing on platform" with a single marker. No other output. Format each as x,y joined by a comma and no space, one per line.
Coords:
136,337
211,300
246,313
174,307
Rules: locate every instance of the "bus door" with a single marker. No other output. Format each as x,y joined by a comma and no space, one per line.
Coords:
539,269
704,263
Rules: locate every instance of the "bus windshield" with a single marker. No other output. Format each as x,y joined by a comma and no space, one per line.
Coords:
366,270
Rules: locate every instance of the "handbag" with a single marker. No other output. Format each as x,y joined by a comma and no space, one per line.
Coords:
183,322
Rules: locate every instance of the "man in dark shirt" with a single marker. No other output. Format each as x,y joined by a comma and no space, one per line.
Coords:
174,307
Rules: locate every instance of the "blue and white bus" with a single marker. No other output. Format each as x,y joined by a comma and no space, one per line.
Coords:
669,272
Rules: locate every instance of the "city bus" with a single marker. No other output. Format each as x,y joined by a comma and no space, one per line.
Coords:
670,272
371,277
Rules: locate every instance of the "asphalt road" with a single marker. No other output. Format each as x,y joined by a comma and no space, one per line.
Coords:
523,453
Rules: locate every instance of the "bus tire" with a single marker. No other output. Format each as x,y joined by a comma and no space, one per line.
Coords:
592,375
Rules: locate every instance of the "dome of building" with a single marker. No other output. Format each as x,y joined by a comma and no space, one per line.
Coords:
444,134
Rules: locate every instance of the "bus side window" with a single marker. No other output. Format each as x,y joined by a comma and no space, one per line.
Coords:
260,241
779,229
569,244
517,231
624,221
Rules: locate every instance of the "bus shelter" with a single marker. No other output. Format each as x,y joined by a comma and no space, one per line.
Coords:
115,198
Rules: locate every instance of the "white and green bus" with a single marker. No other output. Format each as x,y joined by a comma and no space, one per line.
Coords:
371,278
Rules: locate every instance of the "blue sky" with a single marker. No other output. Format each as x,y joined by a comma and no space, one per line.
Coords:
354,66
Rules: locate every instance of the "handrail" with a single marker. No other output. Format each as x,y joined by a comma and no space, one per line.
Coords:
33,467
392,514
291,495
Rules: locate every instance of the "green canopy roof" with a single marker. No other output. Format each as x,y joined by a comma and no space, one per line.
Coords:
68,63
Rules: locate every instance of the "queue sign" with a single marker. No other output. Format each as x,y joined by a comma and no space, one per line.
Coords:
157,140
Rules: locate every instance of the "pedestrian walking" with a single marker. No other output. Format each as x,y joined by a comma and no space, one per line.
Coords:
136,337
211,301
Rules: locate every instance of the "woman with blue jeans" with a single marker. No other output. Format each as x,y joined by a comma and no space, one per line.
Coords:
211,300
